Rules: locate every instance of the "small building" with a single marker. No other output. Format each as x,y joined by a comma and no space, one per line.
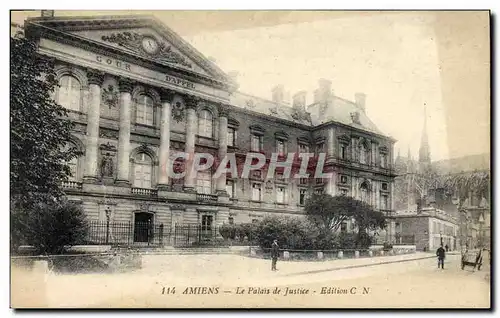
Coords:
428,229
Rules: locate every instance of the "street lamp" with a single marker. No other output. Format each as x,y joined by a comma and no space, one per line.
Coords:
108,216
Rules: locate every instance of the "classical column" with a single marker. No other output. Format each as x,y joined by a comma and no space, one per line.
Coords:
331,143
95,79
191,127
125,87
164,157
221,181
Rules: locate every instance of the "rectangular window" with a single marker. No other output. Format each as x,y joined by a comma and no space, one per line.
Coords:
204,182
231,136
343,179
206,222
256,143
280,147
343,227
230,188
318,190
303,148
343,151
385,187
319,180
302,196
281,195
304,181
256,192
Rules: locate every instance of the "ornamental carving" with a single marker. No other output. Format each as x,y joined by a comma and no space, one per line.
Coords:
110,96
105,133
269,186
178,112
133,41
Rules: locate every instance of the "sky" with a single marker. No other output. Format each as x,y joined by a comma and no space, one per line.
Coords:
392,58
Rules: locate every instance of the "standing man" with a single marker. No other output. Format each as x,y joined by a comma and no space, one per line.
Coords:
440,253
275,252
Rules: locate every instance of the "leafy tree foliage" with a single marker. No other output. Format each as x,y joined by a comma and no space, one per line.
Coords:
327,212
39,128
50,226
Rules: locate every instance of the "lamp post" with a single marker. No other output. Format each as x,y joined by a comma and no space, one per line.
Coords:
463,216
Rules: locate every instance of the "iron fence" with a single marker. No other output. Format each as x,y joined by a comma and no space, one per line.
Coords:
150,234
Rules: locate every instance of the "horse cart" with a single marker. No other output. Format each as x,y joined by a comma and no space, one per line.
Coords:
473,259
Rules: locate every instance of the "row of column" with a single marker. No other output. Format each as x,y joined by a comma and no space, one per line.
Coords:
95,80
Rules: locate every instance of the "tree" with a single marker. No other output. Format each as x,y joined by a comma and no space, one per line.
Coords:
40,128
328,212
51,227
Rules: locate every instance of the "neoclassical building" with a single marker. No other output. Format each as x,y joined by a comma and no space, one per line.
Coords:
138,93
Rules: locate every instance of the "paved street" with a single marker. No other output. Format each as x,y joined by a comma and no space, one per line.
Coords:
414,283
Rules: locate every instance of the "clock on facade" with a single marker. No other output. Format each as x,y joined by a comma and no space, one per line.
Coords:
150,45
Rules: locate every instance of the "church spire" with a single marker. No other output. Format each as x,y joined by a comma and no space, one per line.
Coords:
424,153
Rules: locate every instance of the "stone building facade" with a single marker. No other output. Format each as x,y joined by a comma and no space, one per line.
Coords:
427,229
138,93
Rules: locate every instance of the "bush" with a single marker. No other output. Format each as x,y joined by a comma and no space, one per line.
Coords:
291,233
49,227
228,231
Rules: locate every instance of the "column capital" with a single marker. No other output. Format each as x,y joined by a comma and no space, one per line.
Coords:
125,85
167,95
223,110
191,101
95,76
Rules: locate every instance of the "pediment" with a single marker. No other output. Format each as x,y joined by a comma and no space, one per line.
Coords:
146,43
142,36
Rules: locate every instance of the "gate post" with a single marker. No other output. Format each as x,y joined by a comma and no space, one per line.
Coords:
161,234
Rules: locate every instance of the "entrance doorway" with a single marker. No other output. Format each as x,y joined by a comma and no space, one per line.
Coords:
143,227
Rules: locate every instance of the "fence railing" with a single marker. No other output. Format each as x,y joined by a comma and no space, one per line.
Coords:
149,234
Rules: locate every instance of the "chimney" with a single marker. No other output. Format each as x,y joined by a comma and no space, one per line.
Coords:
278,93
360,100
299,100
324,91
47,13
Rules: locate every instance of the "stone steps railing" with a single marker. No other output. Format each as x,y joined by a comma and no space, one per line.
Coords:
206,197
71,185
145,192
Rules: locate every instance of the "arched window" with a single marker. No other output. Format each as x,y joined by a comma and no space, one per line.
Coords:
145,110
205,124
365,192
143,168
69,93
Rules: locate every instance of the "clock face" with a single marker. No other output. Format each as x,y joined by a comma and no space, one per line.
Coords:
149,45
